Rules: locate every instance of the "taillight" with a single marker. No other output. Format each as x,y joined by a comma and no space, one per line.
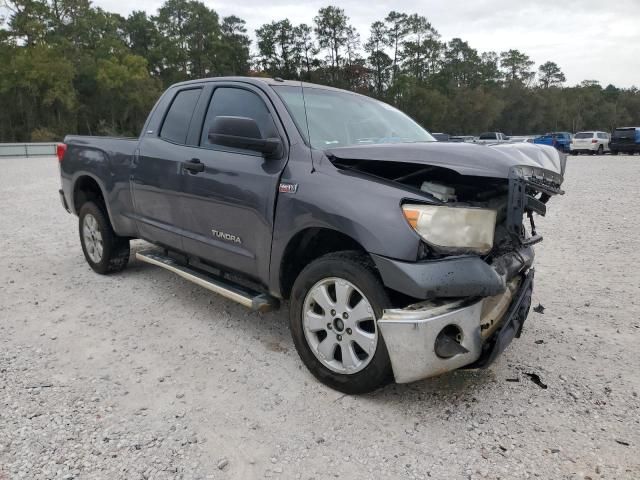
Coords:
594,141
61,149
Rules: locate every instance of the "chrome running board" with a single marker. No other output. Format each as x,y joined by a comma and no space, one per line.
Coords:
260,302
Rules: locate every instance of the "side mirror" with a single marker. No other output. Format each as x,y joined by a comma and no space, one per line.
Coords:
242,132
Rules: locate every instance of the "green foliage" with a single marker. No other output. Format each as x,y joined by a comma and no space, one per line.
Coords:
516,66
550,75
234,57
43,134
279,49
397,30
36,84
421,47
446,86
190,38
67,66
378,59
125,78
339,40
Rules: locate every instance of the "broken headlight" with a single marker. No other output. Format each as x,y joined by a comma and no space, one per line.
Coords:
453,227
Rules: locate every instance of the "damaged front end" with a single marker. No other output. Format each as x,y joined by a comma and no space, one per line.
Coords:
436,336
470,302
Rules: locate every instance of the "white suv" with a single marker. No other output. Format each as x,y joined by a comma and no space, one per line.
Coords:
590,142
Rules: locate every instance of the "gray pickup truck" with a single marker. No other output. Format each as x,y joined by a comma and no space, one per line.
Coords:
401,257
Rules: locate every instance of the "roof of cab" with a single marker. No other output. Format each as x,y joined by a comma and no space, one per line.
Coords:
261,81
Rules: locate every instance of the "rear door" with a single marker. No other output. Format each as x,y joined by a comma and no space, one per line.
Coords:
228,207
157,171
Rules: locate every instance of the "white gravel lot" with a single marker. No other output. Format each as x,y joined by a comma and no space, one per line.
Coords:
144,375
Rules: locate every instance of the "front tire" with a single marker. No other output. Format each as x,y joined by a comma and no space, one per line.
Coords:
335,303
104,251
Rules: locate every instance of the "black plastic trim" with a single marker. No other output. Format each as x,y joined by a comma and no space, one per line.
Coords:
512,326
64,201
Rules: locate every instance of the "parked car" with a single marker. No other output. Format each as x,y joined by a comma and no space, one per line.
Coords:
592,142
462,138
401,257
441,137
625,139
492,137
521,139
559,140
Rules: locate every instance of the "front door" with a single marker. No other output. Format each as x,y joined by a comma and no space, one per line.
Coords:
228,207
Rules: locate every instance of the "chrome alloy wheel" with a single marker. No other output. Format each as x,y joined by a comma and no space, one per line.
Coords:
92,238
340,325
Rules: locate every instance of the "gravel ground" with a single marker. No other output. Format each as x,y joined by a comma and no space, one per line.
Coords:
144,375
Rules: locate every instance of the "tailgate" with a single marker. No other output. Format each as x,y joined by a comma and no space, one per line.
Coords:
624,135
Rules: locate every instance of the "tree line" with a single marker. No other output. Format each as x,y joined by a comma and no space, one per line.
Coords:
67,66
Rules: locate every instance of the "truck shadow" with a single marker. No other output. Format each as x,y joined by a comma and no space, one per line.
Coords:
271,328
446,390
271,331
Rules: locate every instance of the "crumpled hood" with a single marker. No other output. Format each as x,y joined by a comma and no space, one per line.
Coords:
465,158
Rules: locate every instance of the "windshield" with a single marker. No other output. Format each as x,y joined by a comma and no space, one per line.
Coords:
338,119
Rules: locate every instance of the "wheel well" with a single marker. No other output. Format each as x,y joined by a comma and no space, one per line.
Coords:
305,247
87,189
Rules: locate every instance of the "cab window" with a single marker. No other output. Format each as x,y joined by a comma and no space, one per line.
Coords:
237,102
176,123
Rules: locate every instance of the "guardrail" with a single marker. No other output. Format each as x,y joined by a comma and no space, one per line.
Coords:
27,149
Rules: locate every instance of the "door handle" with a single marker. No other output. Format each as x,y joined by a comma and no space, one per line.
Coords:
194,165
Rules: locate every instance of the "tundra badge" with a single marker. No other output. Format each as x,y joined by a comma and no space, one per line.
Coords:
225,236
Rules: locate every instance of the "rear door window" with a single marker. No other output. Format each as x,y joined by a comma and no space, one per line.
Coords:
176,123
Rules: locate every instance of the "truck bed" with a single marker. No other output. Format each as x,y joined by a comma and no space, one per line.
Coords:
110,145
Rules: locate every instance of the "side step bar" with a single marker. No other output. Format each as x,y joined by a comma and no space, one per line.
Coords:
260,302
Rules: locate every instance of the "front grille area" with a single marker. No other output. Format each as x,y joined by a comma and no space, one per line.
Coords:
529,190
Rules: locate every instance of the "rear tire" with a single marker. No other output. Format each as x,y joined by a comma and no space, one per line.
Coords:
600,150
321,335
104,251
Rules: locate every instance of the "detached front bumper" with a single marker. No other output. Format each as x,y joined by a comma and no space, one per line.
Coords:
482,327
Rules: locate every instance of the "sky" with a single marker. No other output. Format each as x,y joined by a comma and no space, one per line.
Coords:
589,39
